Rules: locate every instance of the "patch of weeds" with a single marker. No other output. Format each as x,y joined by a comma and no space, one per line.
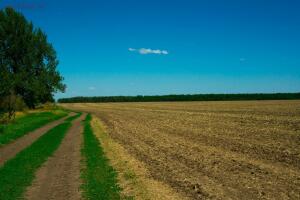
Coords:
129,175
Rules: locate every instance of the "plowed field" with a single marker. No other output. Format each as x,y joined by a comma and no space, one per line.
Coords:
212,150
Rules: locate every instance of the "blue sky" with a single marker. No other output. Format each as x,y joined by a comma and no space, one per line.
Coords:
147,47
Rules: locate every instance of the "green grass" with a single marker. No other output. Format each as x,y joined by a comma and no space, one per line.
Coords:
18,173
99,178
69,119
26,124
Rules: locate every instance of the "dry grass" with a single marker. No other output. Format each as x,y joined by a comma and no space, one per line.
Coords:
211,150
133,176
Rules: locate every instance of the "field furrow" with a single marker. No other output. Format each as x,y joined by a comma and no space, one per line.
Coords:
212,150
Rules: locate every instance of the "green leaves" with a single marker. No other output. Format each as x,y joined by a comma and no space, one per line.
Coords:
27,60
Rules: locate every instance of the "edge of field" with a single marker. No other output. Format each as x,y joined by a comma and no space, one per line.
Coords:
133,176
98,177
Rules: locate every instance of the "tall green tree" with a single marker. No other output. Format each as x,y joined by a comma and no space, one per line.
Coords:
28,62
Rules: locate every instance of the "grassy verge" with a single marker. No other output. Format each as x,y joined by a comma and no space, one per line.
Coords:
26,124
69,119
99,178
18,173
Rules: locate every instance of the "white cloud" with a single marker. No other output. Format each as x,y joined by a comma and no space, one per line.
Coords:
164,52
131,49
91,88
145,51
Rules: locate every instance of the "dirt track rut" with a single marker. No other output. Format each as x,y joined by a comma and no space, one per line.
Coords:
10,150
59,176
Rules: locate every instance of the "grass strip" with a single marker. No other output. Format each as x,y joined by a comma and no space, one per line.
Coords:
69,119
18,173
26,124
99,178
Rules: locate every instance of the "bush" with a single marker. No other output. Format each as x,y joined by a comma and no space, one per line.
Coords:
47,106
20,104
9,105
2,127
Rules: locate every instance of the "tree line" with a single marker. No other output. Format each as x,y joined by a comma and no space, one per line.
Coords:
188,97
28,74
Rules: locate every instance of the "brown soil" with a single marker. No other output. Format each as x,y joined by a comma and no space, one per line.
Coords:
133,177
212,150
10,150
59,176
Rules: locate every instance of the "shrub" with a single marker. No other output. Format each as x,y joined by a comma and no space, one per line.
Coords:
9,105
2,127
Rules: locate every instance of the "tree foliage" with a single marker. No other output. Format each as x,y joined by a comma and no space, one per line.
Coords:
192,97
27,61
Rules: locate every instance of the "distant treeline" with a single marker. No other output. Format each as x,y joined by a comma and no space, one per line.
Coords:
188,97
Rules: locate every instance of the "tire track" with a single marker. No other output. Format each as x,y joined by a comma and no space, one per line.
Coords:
59,177
10,150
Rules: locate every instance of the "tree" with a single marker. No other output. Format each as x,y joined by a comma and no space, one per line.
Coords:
27,61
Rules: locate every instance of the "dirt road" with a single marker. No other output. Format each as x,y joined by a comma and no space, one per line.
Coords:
10,150
59,176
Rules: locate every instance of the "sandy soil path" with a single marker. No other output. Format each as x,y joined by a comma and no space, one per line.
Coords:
10,150
59,176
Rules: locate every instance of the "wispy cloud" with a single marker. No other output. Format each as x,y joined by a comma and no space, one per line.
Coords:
145,51
131,49
242,59
91,88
